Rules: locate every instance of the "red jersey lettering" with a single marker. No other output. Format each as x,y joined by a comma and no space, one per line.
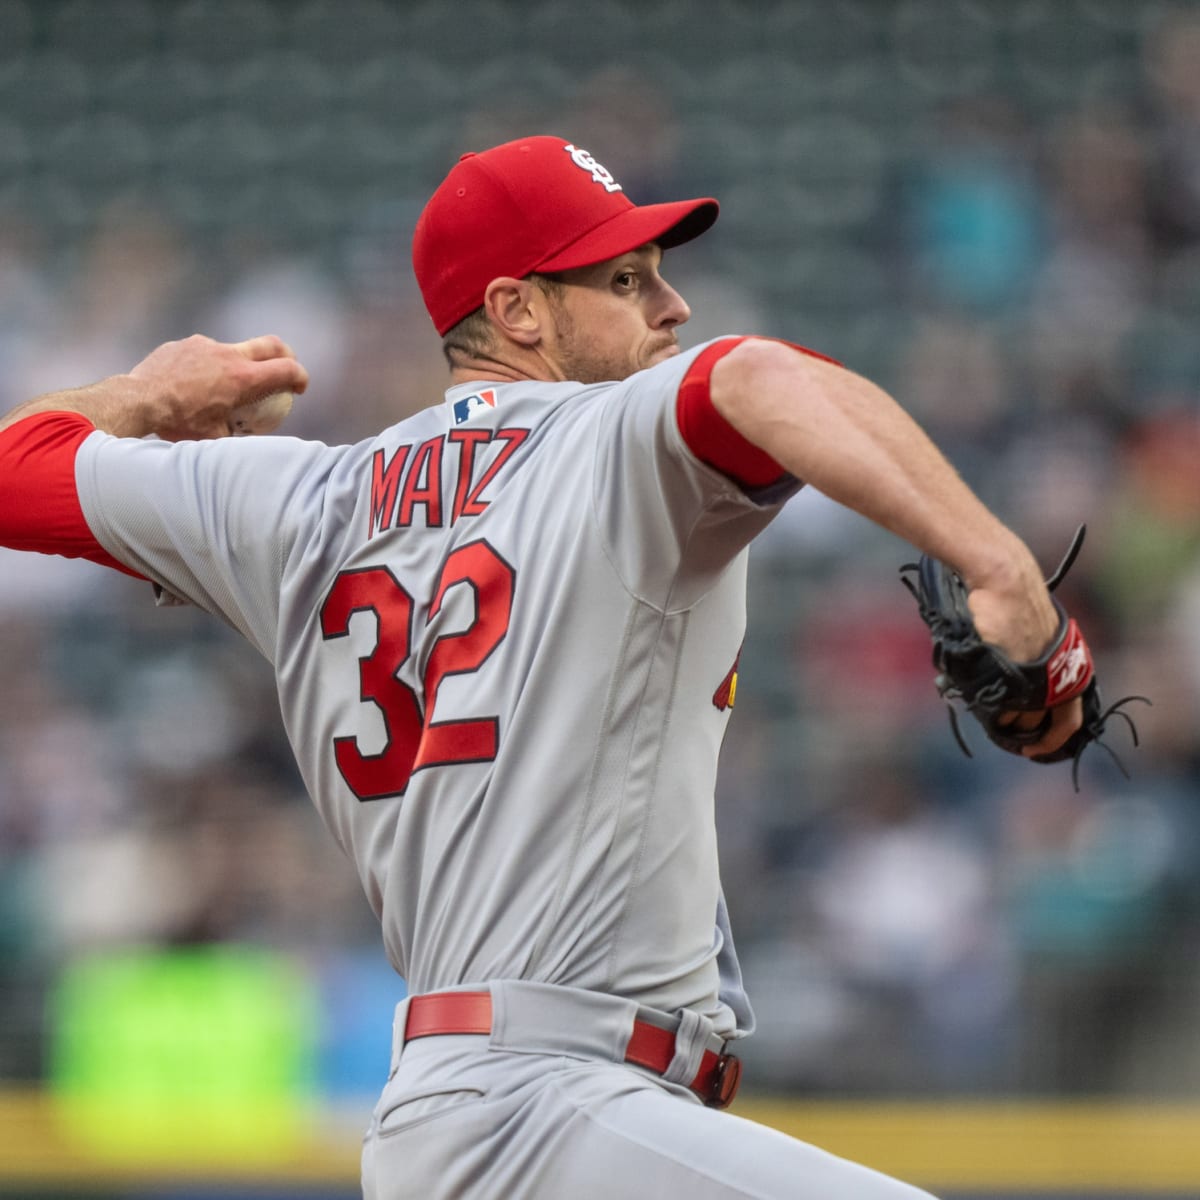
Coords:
385,487
512,438
468,440
423,485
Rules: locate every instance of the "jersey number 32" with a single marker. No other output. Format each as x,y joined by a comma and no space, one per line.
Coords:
414,739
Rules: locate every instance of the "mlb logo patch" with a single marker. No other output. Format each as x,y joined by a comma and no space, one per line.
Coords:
472,406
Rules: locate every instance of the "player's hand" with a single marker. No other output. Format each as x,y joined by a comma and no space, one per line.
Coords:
1065,719
192,387
1015,612
1012,609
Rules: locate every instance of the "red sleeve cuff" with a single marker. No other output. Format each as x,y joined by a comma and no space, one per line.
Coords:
710,437
39,504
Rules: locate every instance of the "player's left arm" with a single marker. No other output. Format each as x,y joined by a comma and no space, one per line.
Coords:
850,440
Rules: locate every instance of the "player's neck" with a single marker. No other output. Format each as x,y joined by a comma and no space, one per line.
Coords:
481,372
522,364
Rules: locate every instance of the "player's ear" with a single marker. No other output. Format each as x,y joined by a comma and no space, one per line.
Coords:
515,308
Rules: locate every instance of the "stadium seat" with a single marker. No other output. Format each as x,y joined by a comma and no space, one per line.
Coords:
105,34
161,90
43,90
342,35
284,89
221,32
17,22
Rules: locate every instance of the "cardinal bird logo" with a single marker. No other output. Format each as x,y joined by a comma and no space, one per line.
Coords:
726,694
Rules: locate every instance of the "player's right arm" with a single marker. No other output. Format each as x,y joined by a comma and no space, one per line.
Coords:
182,390
850,440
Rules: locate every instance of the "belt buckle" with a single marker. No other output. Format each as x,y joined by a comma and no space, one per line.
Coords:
725,1081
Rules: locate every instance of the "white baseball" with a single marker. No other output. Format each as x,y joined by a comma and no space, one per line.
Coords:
263,416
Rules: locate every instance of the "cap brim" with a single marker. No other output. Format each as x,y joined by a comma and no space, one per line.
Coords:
666,225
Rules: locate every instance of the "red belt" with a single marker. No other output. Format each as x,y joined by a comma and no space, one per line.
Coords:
716,1083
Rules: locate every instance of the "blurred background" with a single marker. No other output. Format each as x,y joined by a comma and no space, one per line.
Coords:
991,207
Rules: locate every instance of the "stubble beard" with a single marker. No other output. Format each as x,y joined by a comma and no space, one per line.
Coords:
578,359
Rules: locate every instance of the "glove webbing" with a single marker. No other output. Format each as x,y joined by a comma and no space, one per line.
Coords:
1066,668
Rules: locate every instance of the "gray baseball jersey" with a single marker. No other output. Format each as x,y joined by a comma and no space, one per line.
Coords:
505,634
499,630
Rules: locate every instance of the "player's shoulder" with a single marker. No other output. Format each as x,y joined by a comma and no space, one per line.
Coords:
675,368
529,402
664,379
525,402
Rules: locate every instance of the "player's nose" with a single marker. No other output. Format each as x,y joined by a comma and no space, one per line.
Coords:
672,308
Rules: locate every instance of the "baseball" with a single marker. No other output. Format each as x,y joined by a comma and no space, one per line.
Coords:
263,416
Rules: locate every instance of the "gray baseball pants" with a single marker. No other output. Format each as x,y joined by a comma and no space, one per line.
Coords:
544,1108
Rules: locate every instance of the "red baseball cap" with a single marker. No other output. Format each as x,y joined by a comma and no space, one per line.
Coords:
536,204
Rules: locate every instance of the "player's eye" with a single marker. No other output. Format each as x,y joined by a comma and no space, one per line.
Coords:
626,279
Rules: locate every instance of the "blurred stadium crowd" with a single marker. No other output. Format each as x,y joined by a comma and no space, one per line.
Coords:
990,207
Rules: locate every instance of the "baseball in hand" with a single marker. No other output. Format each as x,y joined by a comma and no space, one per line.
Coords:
262,416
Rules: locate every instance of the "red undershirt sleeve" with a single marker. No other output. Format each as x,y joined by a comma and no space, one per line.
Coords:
39,504
710,437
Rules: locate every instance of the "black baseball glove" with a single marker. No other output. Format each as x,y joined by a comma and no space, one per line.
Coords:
994,688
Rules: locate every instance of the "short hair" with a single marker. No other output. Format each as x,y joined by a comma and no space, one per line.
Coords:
472,336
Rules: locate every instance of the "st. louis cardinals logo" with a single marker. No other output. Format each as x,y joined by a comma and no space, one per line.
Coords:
585,162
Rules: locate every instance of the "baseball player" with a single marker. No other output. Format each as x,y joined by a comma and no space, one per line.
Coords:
506,634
